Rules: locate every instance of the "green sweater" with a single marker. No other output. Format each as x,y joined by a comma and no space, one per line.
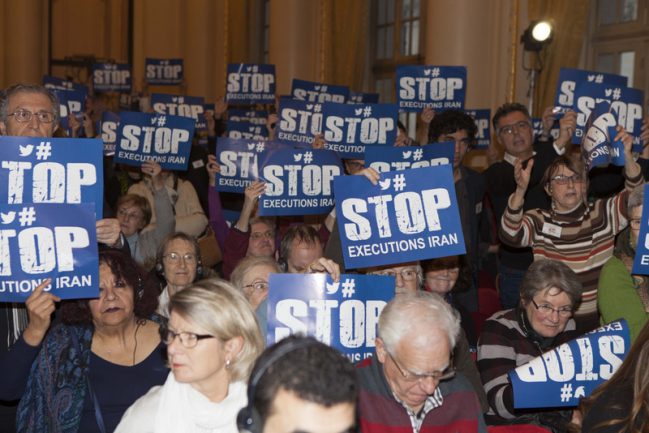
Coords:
618,298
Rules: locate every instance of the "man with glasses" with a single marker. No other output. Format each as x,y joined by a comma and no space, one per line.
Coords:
249,236
32,111
513,127
411,383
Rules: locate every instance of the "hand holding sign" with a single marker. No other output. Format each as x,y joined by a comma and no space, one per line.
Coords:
326,265
567,127
40,306
213,168
108,232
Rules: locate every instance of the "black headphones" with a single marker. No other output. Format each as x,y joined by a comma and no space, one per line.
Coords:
248,419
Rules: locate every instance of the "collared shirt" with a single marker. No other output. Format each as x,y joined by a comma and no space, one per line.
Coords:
417,419
512,159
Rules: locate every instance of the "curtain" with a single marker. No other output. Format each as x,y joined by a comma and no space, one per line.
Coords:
570,24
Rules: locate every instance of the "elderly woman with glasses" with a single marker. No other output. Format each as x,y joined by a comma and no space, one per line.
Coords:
251,277
179,263
543,320
581,234
621,293
212,342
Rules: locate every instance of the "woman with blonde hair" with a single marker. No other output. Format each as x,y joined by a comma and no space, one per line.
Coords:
212,342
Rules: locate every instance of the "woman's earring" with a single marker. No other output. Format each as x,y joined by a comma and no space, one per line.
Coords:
227,364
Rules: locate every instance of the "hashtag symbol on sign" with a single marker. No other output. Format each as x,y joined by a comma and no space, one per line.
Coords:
435,72
399,182
162,120
566,392
43,150
260,147
617,93
348,288
27,216
367,112
308,157
418,154
599,79
317,108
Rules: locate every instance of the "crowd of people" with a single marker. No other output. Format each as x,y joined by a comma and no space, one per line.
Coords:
174,345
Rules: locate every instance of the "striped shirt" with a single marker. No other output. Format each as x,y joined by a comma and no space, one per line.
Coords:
583,239
504,345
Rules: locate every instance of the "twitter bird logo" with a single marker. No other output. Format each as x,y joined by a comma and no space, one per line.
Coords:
297,157
384,184
580,392
332,288
407,154
25,150
251,146
8,218
358,112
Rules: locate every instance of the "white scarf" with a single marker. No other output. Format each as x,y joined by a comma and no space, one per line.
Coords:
182,409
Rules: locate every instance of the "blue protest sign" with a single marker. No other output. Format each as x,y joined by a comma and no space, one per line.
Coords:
250,83
56,83
625,102
39,241
409,215
641,260
436,87
482,120
258,117
568,80
111,77
247,130
52,170
537,127
299,122
163,72
347,129
311,91
363,98
71,102
298,181
162,138
238,161
108,128
343,315
560,377
598,147
390,158
177,105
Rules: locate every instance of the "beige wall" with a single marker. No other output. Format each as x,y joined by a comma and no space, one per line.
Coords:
475,33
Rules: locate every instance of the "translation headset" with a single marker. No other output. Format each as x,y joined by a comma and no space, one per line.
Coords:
248,419
159,268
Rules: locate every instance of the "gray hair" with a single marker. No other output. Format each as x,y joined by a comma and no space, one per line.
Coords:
544,275
222,311
27,88
247,264
426,311
635,198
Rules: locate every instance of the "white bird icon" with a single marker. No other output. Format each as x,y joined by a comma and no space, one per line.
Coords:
407,154
25,150
384,184
297,157
332,288
7,218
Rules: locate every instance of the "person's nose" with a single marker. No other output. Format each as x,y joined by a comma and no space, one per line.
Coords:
428,384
